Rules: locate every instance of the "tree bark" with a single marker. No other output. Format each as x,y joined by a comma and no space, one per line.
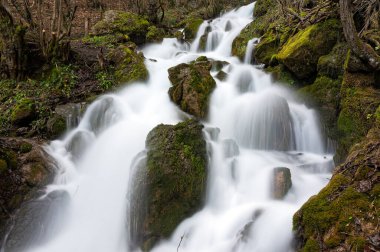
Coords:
364,51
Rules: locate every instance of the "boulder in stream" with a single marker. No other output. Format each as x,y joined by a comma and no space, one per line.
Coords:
282,182
176,175
192,86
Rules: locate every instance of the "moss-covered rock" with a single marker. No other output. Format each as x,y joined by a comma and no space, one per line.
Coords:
268,23
127,24
176,178
344,215
192,86
23,112
191,27
332,64
358,106
154,34
324,94
301,52
129,64
56,125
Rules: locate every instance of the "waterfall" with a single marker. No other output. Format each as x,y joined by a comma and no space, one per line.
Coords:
250,47
254,126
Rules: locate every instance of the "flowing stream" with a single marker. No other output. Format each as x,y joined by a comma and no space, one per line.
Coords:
254,126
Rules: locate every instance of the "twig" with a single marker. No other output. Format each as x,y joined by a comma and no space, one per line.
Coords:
180,242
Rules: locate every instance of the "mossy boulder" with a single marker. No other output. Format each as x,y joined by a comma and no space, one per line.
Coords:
268,19
324,95
332,64
129,64
155,34
359,102
301,52
23,112
127,24
266,50
192,86
56,125
262,7
344,215
192,25
176,178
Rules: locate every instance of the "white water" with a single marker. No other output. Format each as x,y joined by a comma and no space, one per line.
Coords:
270,127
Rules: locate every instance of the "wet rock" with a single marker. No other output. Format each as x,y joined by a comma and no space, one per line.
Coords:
301,52
192,87
222,76
282,182
25,170
35,221
230,148
129,64
126,23
24,112
176,178
213,133
191,27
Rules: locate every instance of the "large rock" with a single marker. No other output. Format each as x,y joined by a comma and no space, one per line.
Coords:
175,178
36,221
344,216
192,86
24,112
301,52
129,64
24,170
282,182
123,23
358,104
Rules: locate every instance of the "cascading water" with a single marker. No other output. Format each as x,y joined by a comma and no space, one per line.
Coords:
261,127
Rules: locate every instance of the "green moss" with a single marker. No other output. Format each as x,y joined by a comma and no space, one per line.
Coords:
191,27
25,147
324,94
281,74
192,86
56,126
358,105
125,23
23,111
302,51
332,65
262,7
3,166
154,34
129,65
311,246
176,177
357,244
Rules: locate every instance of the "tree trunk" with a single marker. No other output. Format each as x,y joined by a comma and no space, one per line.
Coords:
12,45
364,51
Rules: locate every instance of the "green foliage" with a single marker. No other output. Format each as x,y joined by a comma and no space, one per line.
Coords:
61,78
106,81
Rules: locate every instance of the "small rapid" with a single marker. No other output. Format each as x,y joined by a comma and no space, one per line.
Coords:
254,126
